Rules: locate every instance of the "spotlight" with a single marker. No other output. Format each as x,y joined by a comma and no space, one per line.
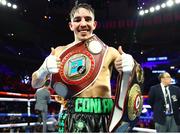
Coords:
14,6
177,1
3,2
151,9
163,5
146,11
9,4
157,7
141,12
169,3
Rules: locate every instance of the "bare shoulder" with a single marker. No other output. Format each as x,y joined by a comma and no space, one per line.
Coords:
59,49
113,51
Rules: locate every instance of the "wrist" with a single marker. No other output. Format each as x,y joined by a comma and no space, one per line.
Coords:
42,72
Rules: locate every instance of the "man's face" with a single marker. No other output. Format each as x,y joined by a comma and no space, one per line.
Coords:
82,24
166,79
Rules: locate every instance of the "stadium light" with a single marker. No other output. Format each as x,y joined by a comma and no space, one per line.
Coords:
3,2
8,4
141,12
157,7
168,3
163,5
177,1
151,9
14,6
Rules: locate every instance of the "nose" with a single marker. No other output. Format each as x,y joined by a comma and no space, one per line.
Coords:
83,22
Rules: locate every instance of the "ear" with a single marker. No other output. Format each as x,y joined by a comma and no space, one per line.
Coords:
70,26
95,24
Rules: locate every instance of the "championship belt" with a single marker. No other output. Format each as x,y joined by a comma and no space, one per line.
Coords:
128,99
80,66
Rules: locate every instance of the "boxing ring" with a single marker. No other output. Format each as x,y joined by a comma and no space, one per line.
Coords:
29,99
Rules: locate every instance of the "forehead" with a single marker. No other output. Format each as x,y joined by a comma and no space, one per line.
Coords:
83,12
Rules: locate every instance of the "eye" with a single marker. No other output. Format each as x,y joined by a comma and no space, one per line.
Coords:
77,19
88,19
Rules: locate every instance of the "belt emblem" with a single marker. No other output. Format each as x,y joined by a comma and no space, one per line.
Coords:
77,67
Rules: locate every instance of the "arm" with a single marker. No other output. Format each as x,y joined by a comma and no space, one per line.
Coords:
124,62
125,65
37,81
50,66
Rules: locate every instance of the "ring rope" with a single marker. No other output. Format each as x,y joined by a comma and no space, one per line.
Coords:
24,115
16,94
23,124
148,130
37,123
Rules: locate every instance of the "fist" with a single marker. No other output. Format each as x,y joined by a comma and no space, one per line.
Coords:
124,63
52,62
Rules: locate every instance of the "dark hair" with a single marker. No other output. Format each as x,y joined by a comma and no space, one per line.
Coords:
81,5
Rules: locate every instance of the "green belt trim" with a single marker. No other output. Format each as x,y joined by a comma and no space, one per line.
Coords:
93,105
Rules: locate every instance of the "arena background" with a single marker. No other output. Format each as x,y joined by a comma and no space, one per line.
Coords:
145,29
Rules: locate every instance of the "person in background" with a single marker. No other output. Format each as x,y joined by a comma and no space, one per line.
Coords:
89,101
43,98
164,99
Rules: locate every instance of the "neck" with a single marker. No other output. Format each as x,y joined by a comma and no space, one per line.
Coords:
75,42
165,84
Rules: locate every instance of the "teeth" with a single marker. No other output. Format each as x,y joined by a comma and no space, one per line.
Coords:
83,31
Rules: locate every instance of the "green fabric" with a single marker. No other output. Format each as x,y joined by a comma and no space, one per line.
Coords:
93,105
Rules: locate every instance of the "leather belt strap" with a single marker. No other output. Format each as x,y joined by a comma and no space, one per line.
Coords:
128,98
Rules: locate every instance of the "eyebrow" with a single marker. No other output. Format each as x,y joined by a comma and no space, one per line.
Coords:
79,17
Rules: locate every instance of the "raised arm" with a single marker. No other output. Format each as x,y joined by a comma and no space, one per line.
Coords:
50,66
125,62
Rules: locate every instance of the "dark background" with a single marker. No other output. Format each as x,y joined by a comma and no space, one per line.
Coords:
26,35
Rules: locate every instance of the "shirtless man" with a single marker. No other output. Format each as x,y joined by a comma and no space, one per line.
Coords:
88,110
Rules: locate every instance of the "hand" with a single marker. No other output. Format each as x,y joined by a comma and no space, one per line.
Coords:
52,62
51,65
125,62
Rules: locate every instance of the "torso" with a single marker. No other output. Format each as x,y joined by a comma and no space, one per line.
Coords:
101,87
